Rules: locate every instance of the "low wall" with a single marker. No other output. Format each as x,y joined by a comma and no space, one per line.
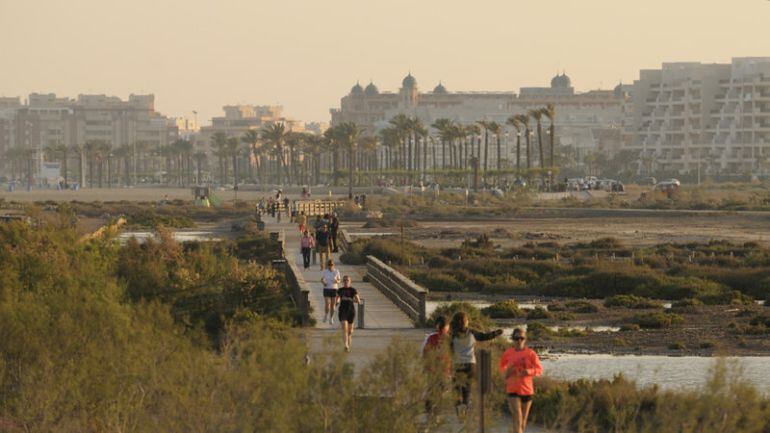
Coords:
402,291
343,239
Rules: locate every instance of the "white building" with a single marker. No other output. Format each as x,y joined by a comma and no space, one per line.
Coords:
691,117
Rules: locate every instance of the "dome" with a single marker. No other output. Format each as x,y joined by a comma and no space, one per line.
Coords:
357,90
618,91
409,81
440,89
561,81
371,90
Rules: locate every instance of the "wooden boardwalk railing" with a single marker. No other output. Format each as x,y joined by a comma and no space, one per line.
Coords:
402,291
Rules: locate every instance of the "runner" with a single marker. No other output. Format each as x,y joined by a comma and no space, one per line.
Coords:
306,243
346,297
520,364
438,363
463,345
322,245
330,278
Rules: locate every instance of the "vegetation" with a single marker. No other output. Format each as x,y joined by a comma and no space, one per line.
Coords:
727,403
706,273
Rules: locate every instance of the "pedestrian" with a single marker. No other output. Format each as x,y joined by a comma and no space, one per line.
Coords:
519,364
302,221
322,244
286,206
335,226
463,347
438,363
306,244
318,223
330,278
346,297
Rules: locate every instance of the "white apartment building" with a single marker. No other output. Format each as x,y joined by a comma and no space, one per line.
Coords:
707,118
47,120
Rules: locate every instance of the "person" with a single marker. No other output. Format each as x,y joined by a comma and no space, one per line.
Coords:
330,278
519,364
463,347
306,244
346,297
286,206
335,226
302,221
322,245
438,363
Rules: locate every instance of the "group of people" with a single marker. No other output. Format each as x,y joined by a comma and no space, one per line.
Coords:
322,241
451,352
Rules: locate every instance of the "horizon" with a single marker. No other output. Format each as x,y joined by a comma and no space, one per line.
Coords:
306,56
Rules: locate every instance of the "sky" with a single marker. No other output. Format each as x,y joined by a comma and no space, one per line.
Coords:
306,54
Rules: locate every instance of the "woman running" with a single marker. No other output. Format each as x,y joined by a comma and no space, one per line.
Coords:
346,297
519,365
330,278
463,344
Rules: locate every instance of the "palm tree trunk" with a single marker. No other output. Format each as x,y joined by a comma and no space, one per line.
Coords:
499,154
540,144
529,149
518,154
486,152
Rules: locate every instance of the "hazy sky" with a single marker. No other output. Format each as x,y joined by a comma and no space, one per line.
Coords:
305,54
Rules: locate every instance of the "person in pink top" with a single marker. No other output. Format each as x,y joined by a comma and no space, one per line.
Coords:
519,365
306,243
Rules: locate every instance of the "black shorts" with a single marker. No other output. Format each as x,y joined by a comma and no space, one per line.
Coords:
347,314
523,398
330,293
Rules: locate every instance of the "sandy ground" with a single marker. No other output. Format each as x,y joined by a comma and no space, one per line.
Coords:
631,230
147,194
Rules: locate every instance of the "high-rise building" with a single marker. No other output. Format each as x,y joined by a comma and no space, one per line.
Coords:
701,118
46,120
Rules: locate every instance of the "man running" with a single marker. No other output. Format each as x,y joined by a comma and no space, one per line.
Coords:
519,364
330,278
346,297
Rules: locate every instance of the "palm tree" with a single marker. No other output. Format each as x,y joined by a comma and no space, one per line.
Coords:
483,124
419,133
232,152
349,134
251,139
524,120
81,152
550,112
538,115
516,123
402,125
442,126
275,136
219,143
60,151
199,156
472,131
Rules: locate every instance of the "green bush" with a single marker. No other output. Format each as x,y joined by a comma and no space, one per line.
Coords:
448,310
538,313
657,320
436,281
503,310
582,306
631,301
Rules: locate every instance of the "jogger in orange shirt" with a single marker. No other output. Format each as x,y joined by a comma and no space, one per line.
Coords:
520,364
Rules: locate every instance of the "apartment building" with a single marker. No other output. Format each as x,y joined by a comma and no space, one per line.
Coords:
690,117
238,119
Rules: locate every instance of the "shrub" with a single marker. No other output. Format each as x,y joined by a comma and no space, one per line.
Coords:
582,306
629,327
503,310
676,346
538,313
436,281
657,320
477,320
631,301
538,331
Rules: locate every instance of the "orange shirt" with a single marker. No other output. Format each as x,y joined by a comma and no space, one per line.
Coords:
526,365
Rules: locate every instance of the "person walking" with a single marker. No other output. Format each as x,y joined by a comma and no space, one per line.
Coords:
306,243
334,228
330,278
347,296
438,363
463,347
519,364
322,245
302,221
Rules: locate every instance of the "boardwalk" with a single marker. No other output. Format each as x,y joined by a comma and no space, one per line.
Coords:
384,320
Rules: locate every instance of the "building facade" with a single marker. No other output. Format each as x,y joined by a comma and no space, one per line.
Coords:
46,120
582,119
239,119
701,118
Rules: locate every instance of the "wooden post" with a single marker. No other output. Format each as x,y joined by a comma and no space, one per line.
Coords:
485,383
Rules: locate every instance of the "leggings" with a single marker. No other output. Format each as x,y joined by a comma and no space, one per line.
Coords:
463,378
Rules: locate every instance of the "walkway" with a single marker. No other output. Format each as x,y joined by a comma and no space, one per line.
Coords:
383,320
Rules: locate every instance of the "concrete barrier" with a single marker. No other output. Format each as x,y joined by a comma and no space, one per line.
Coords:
402,291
